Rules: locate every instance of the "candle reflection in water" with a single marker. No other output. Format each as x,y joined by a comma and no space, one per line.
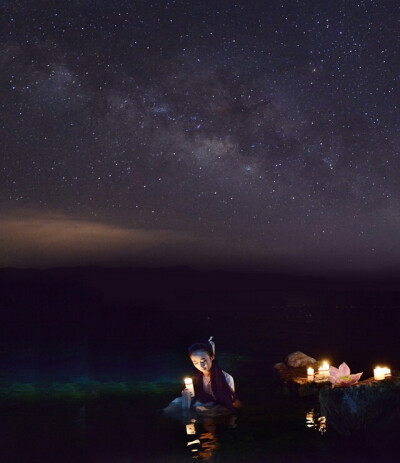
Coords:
203,445
190,427
316,421
208,440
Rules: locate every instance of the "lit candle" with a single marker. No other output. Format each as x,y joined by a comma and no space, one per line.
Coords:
388,373
310,374
189,385
379,373
323,370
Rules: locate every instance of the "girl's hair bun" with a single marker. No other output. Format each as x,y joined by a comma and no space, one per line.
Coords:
207,346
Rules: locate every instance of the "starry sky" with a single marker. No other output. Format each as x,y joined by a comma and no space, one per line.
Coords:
218,134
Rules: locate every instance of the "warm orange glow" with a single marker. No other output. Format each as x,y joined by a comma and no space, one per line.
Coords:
381,373
42,240
323,370
189,385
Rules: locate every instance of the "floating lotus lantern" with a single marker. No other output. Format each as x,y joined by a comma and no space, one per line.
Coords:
341,377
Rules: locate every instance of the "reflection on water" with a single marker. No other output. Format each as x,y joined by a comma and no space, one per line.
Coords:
205,443
190,427
315,421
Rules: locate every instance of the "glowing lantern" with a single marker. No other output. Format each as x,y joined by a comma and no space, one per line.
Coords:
379,373
189,385
323,371
388,373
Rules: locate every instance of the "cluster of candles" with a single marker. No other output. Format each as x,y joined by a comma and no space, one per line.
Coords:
380,373
323,372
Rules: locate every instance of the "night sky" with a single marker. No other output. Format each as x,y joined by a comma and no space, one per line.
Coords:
217,134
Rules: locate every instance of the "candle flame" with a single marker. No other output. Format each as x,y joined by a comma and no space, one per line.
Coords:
324,366
380,373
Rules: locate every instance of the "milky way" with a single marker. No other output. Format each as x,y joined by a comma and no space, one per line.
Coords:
261,132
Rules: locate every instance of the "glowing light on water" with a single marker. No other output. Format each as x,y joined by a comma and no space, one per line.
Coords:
196,441
190,427
315,421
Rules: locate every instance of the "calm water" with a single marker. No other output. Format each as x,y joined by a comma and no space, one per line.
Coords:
131,428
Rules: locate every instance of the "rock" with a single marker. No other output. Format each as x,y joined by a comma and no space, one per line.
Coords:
280,368
371,407
293,380
299,359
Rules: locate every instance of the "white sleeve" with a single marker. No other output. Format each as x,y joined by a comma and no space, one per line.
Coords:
229,380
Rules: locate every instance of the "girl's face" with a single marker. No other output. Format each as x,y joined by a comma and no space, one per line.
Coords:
202,360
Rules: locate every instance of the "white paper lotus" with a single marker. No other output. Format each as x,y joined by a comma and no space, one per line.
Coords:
341,377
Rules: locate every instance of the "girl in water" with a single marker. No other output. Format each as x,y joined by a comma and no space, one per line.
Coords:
214,389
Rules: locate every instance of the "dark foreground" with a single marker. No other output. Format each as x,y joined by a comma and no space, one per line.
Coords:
123,426
86,372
